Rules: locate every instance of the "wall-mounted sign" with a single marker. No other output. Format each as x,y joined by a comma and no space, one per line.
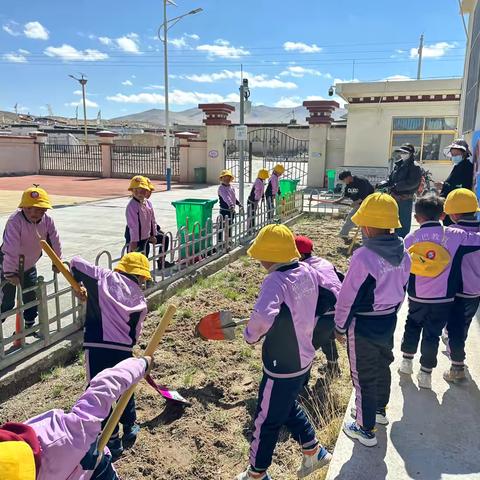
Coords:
213,153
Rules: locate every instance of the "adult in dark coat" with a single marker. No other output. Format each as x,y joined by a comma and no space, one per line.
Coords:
461,175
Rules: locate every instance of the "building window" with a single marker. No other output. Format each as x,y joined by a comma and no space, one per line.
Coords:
429,135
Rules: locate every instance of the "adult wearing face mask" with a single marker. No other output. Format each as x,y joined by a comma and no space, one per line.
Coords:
403,183
461,175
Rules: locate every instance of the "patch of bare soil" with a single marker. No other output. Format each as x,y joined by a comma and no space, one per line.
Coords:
210,439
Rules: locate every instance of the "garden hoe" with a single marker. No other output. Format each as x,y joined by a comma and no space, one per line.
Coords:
218,326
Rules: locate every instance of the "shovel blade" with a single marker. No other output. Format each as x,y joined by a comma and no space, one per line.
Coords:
216,326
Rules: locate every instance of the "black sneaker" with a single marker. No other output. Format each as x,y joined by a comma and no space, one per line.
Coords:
115,447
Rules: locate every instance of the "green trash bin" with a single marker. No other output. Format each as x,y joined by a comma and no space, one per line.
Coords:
288,185
193,214
200,175
331,174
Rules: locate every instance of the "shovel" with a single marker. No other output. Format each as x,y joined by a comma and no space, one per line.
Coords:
19,317
218,326
165,392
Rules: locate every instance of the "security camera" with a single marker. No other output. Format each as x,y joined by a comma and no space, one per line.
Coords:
331,91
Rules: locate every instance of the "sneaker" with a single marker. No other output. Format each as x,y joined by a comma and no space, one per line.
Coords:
380,416
455,375
424,379
406,367
248,474
115,447
353,430
130,432
311,462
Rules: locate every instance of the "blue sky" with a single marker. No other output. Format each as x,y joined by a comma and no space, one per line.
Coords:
290,50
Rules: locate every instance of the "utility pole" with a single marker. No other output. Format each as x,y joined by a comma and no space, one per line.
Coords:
83,82
244,95
420,56
168,159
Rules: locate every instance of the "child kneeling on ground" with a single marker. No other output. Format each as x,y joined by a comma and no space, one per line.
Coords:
366,312
461,205
284,316
116,309
57,445
324,333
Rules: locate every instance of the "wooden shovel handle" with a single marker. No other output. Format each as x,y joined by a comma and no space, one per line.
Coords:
124,399
61,266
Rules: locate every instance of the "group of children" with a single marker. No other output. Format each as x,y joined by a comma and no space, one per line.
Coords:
303,299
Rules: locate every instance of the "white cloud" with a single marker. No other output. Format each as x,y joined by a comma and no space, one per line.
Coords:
79,103
288,102
299,72
154,87
223,48
177,97
193,36
340,80
301,47
105,40
255,81
396,78
77,92
15,57
183,41
36,31
314,97
11,29
69,53
127,83
25,52
128,43
435,50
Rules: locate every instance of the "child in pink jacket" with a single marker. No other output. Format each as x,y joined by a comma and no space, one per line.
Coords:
68,441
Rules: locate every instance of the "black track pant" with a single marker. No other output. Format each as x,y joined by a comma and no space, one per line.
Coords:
426,320
324,337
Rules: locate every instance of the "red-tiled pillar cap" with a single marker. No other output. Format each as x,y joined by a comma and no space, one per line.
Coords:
320,111
216,113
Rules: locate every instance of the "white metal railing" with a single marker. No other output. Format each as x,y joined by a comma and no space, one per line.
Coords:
60,314
319,202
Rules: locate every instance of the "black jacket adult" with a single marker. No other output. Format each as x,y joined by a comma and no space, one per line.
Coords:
358,189
461,176
405,177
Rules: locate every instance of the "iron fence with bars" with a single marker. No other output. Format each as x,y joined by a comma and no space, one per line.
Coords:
78,160
138,160
60,314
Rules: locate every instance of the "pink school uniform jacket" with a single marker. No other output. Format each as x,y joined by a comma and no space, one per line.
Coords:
65,438
22,237
285,316
116,307
140,219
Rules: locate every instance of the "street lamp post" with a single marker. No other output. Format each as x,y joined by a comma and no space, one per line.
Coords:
83,82
167,24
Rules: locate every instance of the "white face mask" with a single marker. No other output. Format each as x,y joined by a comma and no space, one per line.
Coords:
456,159
404,156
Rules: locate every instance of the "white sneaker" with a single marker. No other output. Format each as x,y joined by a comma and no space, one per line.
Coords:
424,380
380,416
249,475
406,367
313,462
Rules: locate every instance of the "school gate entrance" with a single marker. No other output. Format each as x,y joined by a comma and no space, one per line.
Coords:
265,148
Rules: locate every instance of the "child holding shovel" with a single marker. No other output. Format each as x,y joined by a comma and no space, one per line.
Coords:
116,309
21,239
284,317
63,445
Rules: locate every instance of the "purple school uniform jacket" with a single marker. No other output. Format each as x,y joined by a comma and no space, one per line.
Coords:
65,438
373,285
139,220
22,237
470,262
443,287
285,314
227,197
116,307
257,191
153,230
273,186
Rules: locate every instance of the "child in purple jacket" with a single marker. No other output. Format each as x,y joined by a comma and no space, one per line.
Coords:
116,309
68,441
366,312
273,188
291,296
21,238
257,194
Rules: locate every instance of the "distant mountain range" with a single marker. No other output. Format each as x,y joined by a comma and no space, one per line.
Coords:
258,114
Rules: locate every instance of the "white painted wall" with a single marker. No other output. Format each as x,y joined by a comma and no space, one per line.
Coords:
18,155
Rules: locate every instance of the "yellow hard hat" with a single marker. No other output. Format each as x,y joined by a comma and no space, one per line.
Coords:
461,200
16,461
139,182
263,174
280,169
35,197
226,173
378,210
151,186
274,243
429,259
134,263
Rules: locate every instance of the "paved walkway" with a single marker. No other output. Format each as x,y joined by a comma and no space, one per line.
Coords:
433,435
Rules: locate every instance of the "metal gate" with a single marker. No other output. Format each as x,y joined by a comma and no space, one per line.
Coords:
264,149
78,160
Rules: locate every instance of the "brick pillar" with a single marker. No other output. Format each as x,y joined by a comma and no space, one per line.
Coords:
319,121
106,142
40,139
217,122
